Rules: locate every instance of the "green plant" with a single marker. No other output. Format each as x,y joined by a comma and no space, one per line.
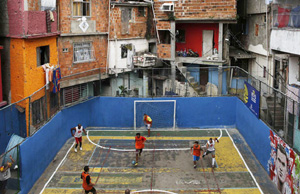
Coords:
123,90
171,16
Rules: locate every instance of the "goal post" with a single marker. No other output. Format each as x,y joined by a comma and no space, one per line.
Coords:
162,113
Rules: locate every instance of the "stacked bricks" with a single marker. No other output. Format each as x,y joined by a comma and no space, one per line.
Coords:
99,12
199,9
137,25
66,58
163,25
164,51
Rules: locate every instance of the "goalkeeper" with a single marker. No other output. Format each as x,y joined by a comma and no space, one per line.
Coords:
148,123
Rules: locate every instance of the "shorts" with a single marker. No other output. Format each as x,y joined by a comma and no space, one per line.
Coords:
148,126
138,151
93,190
210,152
196,158
3,185
78,139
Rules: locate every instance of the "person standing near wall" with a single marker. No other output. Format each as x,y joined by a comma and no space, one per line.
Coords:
5,175
78,135
87,184
148,123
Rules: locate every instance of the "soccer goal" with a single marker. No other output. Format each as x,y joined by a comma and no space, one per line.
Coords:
162,113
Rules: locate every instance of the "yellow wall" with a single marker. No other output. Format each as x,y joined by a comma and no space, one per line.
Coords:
17,69
26,76
35,75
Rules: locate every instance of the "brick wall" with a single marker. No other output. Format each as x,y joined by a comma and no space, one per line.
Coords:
99,12
164,51
66,58
33,5
163,25
137,25
199,9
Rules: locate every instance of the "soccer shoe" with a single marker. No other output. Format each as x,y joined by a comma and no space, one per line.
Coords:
136,164
195,166
203,155
75,150
80,148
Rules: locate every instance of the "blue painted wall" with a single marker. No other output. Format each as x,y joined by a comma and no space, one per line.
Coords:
118,112
213,77
297,134
12,121
38,151
255,132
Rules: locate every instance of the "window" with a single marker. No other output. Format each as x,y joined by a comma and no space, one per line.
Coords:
81,8
126,17
38,111
180,36
54,103
42,54
141,11
75,93
83,52
243,64
164,36
124,50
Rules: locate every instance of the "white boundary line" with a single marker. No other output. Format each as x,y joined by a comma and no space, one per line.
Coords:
57,168
244,162
153,190
133,150
134,110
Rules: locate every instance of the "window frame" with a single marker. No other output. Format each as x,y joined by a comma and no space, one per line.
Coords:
141,14
122,47
92,57
81,1
38,55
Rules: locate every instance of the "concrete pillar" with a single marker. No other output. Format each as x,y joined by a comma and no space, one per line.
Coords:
220,51
173,76
173,47
145,83
220,79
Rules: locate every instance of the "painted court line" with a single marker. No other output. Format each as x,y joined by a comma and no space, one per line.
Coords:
57,168
133,150
244,162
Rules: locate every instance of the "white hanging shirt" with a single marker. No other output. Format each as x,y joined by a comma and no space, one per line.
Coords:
211,146
78,132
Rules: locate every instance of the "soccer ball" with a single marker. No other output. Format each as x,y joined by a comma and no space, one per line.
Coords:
1,168
133,162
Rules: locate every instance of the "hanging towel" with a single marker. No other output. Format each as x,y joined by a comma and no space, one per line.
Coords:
56,80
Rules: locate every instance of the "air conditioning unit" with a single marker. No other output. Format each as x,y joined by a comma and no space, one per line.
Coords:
167,7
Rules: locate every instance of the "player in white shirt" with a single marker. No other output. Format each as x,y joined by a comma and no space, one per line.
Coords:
210,149
78,135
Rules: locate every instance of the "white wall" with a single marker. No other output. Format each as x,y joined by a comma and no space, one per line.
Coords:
285,41
115,60
257,70
294,70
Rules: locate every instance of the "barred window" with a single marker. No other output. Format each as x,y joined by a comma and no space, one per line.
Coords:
38,111
83,52
81,8
75,93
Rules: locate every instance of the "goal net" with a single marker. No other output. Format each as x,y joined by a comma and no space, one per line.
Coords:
162,113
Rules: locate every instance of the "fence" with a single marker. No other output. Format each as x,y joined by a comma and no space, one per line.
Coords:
277,109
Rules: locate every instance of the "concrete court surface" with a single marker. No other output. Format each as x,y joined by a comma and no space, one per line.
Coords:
163,170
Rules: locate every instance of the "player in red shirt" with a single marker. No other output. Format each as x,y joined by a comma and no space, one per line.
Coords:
139,145
148,123
196,152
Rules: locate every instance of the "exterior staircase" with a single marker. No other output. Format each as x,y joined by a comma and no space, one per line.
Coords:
190,79
276,113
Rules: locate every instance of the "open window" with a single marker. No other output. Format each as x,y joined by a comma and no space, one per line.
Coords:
180,36
42,54
165,37
81,8
124,50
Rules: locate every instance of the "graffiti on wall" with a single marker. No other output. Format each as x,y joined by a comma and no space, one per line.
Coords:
284,166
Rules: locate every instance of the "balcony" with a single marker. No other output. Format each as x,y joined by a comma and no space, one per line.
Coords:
35,24
144,60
